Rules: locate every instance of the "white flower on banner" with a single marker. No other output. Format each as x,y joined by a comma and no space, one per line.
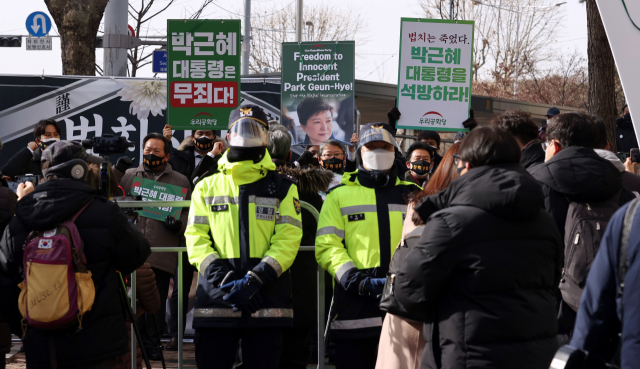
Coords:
145,97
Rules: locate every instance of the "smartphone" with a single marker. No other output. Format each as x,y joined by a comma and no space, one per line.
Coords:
635,155
622,156
35,179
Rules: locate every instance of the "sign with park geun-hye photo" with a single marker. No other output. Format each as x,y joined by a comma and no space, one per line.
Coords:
317,96
151,190
434,76
203,72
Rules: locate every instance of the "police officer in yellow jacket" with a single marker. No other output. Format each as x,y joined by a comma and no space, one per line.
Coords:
360,226
243,234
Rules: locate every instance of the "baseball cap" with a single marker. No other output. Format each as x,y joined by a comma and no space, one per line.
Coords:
376,132
63,151
552,112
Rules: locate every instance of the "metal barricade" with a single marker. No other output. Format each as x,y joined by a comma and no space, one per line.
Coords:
178,282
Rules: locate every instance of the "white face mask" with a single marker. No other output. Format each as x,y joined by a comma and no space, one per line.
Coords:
548,121
245,142
378,159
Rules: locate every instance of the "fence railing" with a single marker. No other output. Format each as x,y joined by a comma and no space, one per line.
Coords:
178,281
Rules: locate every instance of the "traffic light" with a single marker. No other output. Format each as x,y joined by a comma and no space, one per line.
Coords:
10,41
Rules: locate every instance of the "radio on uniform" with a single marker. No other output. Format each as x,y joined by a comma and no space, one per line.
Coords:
39,43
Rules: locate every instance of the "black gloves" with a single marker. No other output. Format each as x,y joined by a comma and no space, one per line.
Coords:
305,158
173,225
393,114
470,124
124,163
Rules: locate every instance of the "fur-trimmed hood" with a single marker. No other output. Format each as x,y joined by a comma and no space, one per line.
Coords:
186,143
311,180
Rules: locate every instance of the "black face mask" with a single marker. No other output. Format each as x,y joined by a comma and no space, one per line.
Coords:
334,164
152,161
460,171
420,167
627,117
238,153
46,143
204,143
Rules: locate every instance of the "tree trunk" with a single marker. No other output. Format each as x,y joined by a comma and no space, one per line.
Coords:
602,88
77,22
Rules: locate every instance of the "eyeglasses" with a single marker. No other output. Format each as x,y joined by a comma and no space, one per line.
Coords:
329,155
456,159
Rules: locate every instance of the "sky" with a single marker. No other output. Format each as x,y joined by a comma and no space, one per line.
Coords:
377,59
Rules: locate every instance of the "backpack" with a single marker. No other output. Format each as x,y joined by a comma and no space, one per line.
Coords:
584,228
57,289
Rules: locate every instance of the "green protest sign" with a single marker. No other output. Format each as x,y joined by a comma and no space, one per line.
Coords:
157,191
318,90
434,77
203,72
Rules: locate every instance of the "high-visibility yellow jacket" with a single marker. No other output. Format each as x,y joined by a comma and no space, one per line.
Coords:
359,228
246,217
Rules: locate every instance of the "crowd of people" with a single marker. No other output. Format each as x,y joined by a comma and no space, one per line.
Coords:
494,254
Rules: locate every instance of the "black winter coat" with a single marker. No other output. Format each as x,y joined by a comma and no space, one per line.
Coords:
110,244
23,162
532,156
625,135
486,269
576,174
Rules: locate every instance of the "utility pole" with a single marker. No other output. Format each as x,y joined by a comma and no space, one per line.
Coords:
299,21
115,24
246,41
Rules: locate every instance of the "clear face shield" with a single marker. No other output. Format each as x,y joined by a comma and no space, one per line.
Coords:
248,132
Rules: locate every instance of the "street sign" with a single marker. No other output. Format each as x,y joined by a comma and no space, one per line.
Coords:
38,24
160,61
39,43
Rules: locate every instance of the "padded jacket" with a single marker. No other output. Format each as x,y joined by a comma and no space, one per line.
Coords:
110,244
485,271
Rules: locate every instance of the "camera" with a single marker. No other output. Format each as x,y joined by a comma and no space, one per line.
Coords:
635,155
108,144
35,179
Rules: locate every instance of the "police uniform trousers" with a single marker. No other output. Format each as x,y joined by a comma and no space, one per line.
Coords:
216,348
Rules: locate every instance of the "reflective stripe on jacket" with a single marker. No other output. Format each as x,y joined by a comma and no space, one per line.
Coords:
359,229
244,217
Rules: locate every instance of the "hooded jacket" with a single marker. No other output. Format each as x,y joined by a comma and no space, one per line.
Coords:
23,162
532,155
110,244
625,135
576,174
485,271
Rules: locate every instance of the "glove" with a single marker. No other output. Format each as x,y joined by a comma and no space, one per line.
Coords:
305,158
172,225
470,124
372,286
242,294
124,163
393,115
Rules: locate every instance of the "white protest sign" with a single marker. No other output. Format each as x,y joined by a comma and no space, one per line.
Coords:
434,77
